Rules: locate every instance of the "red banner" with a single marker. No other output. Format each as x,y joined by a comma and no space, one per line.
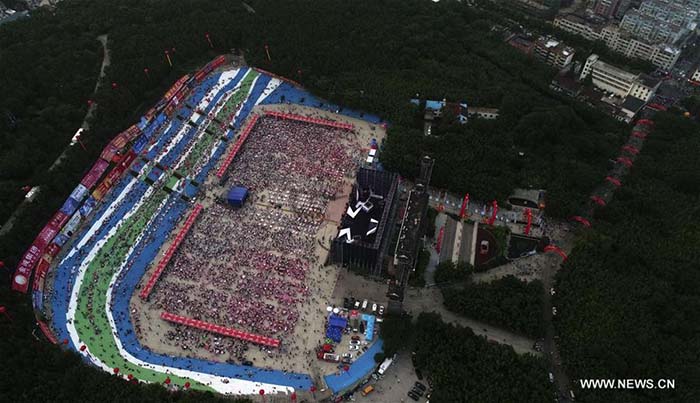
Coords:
52,250
20,281
170,252
237,146
109,152
41,269
176,87
441,235
226,331
94,174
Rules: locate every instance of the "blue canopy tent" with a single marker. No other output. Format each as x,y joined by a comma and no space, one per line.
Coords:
237,195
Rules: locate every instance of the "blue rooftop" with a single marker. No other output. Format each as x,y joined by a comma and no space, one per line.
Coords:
358,370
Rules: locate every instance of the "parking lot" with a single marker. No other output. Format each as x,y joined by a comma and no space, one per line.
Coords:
395,384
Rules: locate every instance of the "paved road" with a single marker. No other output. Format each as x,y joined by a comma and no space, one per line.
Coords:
106,61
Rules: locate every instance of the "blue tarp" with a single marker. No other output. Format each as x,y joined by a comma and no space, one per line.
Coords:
294,95
336,324
369,329
60,239
87,206
140,144
358,370
69,206
237,195
337,321
190,189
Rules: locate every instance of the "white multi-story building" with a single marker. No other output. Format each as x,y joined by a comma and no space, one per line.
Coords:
661,55
617,81
696,76
577,25
553,52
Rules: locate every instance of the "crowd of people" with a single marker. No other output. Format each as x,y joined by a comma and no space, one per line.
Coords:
247,268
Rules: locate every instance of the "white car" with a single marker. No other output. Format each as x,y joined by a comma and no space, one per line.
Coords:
354,342
354,347
364,305
374,307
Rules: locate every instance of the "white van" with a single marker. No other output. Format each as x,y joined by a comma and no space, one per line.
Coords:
364,305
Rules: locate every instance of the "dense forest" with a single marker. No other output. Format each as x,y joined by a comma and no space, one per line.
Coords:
508,302
629,295
464,367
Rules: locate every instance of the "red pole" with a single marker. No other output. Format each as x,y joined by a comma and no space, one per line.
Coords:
3,310
465,204
209,40
494,211
528,214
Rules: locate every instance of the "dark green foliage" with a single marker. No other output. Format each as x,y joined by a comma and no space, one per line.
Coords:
448,273
629,295
466,368
507,302
396,332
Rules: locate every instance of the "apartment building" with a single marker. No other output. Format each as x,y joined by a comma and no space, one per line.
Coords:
661,55
553,52
618,81
578,25
651,28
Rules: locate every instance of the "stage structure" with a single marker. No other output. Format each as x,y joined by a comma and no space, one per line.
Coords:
412,229
363,236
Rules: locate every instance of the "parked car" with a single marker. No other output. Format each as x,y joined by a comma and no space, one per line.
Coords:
417,391
248,363
419,375
355,342
364,304
413,396
357,304
484,247
355,337
354,347
381,310
374,307
420,386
